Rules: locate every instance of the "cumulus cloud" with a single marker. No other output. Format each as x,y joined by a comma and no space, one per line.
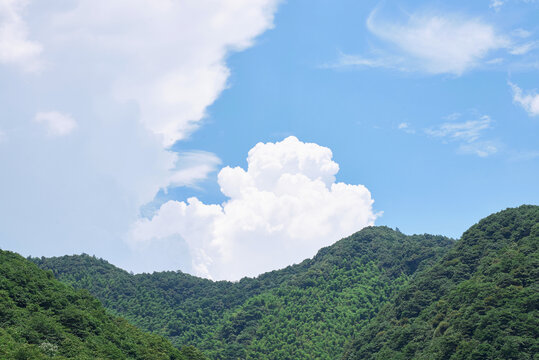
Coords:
15,46
528,101
280,210
57,124
469,135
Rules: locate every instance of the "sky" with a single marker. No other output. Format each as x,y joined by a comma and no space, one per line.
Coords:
230,138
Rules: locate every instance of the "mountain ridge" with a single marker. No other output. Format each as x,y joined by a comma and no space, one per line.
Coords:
480,301
213,315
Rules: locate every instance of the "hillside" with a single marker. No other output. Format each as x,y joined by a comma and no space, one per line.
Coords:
480,301
41,318
304,311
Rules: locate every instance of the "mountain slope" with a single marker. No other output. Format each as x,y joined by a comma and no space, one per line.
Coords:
273,316
41,318
313,314
480,301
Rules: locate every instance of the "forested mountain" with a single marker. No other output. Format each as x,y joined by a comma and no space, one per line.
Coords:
377,294
304,311
480,301
41,318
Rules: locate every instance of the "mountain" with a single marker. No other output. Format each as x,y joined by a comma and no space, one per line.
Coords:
41,318
480,301
304,311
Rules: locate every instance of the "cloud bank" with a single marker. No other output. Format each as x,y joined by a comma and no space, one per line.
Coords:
172,53
135,77
280,210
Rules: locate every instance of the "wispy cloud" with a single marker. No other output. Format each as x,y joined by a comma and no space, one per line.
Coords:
524,155
528,101
440,43
193,167
436,43
453,116
57,124
496,4
468,134
404,126
347,60
468,131
522,49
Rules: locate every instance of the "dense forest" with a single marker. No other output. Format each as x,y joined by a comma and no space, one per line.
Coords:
41,318
304,311
480,301
378,294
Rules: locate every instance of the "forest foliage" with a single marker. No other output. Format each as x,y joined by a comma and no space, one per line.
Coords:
304,311
378,294
480,301
41,318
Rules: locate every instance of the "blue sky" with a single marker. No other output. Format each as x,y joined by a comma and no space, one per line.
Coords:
109,125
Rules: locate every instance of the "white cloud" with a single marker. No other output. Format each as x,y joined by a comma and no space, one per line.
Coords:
496,4
521,33
453,116
15,46
404,126
194,166
522,49
529,101
57,124
282,209
469,135
479,148
347,60
467,131
136,75
169,55
440,43
433,43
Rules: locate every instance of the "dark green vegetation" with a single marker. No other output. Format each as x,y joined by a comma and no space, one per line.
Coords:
41,318
480,301
305,311
378,294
